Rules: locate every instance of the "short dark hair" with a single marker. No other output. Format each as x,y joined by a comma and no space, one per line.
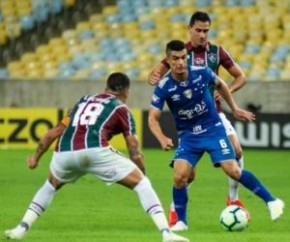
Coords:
118,81
199,16
174,45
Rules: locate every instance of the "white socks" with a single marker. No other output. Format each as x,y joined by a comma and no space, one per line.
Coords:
151,203
233,184
40,202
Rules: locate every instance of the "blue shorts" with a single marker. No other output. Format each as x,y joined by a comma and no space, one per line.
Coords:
191,147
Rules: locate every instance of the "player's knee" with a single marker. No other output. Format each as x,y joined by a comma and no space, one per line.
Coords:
235,173
191,177
180,180
232,170
239,152
143,184
54,182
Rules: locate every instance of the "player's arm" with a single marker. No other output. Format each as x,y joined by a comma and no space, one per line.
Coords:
44,143
127,127
135,152
157,73
224,90
239,78
154,125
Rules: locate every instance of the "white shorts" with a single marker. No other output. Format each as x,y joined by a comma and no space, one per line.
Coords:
227,124
105,163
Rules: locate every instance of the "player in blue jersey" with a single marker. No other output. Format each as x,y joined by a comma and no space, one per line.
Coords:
205,53
83,148
186,93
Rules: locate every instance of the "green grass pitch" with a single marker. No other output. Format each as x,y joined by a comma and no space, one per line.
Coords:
90,211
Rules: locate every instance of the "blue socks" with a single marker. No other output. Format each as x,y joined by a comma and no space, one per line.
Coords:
250,181
180,199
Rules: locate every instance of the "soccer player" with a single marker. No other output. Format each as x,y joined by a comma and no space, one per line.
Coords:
203,53
83,148
186,92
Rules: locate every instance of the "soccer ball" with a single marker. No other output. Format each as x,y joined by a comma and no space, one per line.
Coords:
234,218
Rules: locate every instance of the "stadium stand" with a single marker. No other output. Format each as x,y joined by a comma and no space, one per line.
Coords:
82,39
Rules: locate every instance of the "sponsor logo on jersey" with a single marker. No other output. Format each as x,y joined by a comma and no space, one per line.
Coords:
198,109
175,97
226,151
199,62
198,129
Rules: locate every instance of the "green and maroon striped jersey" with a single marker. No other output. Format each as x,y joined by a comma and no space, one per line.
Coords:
94,120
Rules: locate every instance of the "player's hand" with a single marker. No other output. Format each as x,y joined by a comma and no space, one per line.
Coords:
154,77
217,95
32,162
244,115
166,143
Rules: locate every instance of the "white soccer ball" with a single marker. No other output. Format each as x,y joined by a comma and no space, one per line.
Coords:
234,218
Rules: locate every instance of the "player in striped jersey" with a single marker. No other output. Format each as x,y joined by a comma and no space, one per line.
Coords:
201,52
83,148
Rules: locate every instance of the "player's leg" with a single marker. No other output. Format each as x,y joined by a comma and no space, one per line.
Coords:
252,183
233,197
150,202
130,176
42,199
189,151
182,170
172,214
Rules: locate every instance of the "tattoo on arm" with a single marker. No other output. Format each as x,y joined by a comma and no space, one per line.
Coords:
137,157
41,148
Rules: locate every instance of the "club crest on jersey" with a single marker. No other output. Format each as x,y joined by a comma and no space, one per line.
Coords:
188,93
212,57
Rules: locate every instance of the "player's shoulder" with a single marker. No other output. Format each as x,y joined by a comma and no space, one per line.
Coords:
189,46
85,98
212,47
202,70
164,82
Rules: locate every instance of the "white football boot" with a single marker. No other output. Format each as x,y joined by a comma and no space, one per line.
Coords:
179,226
168,236
276,208
17,233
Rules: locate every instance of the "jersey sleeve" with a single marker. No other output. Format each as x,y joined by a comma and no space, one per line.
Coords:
225,59
126,121
158,98
210,76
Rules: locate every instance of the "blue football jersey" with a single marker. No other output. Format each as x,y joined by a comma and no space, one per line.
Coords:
189,101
